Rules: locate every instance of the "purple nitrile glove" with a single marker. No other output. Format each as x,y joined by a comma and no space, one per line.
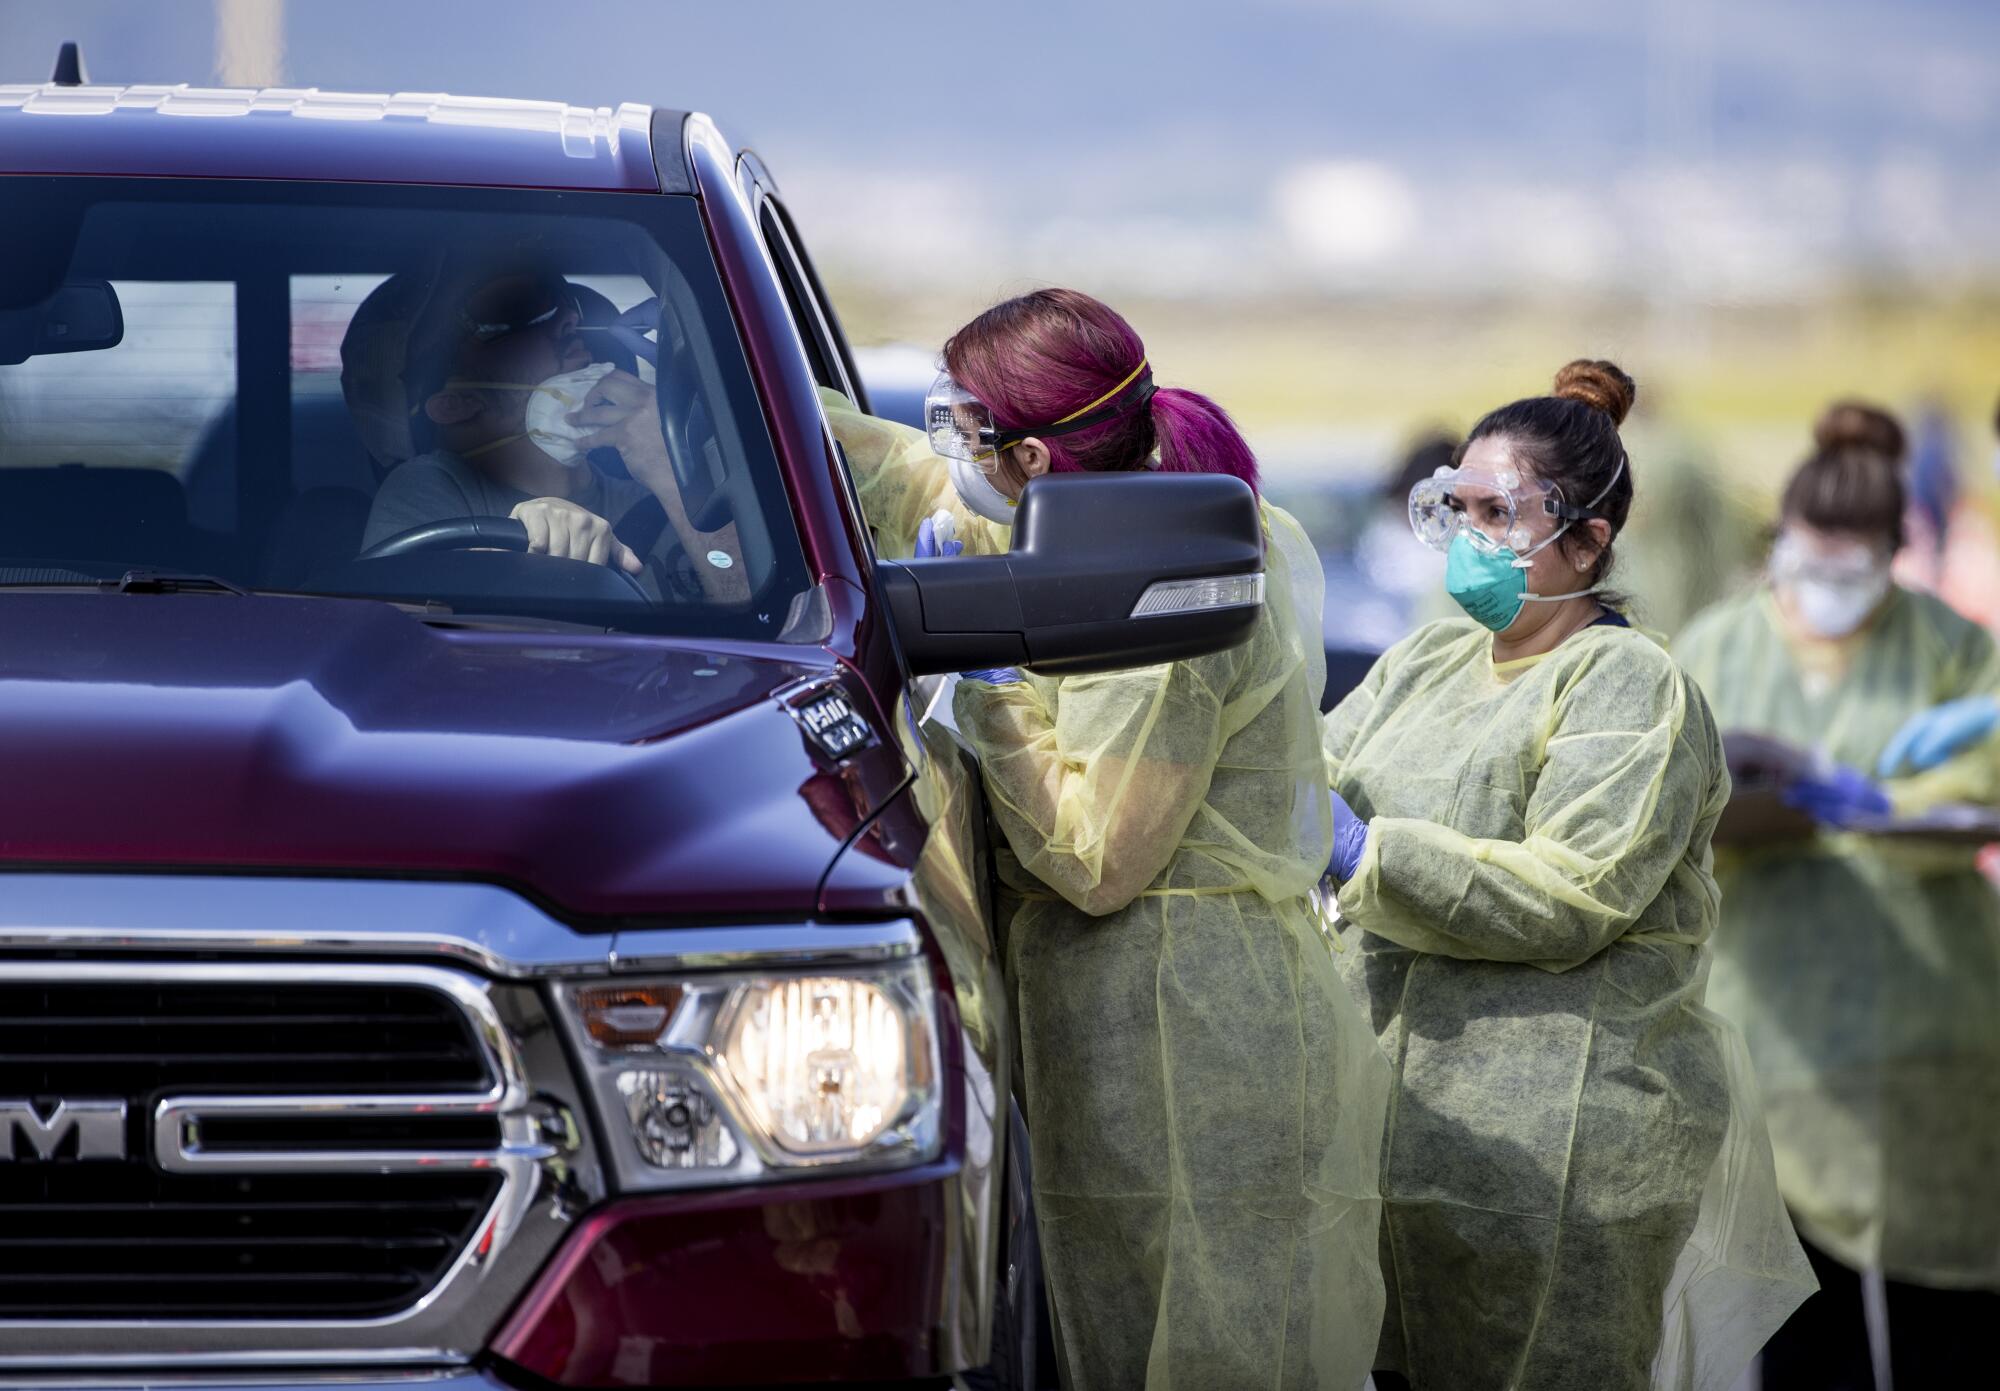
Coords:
1836,798
928,545
1350,838
994,676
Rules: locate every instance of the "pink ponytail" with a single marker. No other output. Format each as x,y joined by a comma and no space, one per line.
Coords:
1197,436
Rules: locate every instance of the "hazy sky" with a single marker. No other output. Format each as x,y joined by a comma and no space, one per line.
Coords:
1724,147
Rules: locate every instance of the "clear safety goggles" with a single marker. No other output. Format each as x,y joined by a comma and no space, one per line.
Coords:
1496,510
961,426
1793,560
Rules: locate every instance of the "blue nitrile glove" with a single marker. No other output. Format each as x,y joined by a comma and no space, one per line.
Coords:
994,676
1839,797
1931,736
1350,838
927,542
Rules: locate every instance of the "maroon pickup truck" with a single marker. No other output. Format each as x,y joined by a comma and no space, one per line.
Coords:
427,960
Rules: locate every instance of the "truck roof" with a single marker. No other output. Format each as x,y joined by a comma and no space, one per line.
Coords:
361,137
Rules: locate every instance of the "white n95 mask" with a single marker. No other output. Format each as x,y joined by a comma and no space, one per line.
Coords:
1835,610
1832,589
549,404
976,491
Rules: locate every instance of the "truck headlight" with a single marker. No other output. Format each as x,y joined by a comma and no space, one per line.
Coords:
748,1075
825,1062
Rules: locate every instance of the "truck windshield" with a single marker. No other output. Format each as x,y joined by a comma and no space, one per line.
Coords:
491,402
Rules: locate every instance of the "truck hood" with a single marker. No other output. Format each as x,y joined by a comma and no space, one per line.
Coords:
610,777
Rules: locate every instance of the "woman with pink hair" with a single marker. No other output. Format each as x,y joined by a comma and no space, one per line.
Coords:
1206,1102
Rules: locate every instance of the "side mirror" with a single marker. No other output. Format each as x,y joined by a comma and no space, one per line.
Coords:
1106,571
80,317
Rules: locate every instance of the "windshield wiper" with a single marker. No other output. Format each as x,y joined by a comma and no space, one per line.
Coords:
144,581
434,613
149,581
507,623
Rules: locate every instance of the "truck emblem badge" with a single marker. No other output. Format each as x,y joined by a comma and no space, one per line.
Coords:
99,1127
830,721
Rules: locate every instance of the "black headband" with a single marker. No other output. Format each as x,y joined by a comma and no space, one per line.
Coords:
1135,397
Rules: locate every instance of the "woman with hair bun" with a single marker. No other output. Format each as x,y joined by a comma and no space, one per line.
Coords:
1577,1186
1865,972
1204,1098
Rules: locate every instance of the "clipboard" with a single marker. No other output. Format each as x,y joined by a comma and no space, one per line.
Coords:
1761,766
1949,823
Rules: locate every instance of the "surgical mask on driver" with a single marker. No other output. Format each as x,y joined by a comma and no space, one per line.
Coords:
543,419
977,492
547,417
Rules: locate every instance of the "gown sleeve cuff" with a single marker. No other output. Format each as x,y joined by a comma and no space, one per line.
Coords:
1360,897
982,709
1973,776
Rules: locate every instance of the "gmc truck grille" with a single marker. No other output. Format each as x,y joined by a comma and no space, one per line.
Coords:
264,1166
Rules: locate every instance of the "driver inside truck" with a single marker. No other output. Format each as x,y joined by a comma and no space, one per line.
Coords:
507,394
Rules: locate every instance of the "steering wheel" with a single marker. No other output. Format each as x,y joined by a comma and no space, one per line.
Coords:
678,388
457,534
478,533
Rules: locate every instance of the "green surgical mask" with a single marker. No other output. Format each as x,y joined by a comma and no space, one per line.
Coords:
1492,586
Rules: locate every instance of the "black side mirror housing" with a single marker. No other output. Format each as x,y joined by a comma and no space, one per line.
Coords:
1107,570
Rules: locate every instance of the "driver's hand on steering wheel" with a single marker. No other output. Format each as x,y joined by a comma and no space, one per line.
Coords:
556,526
624,414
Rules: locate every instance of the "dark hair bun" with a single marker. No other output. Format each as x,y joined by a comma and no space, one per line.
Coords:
1852,424
1603,386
